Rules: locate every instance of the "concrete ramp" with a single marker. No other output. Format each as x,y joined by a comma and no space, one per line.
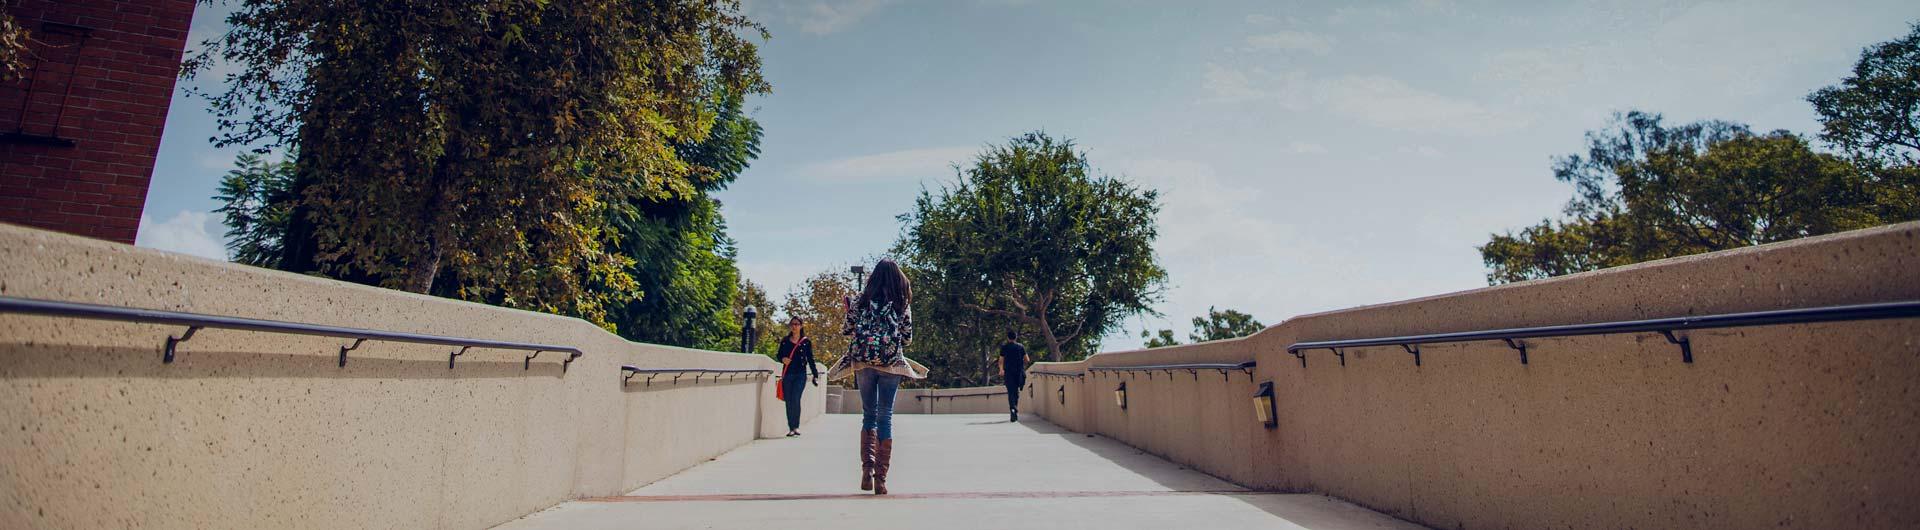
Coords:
952,471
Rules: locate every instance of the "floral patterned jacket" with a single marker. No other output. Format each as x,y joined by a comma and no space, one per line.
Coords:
879,341
880,335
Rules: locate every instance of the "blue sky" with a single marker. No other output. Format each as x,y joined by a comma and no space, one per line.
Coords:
1311,155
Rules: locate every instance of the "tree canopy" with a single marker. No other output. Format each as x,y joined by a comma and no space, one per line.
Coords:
683,260
256,199
1647,191
1029,236
1217,325
474,148
1875,111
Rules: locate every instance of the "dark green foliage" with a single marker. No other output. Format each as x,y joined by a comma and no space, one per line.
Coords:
257,201
475,148
683,260
1029,236
1161,340
1646,191
1223,324
1217,325
1875,112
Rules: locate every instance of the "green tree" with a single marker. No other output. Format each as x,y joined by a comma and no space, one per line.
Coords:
257,200
683,260
1875,111
1646,191
1873,115
472,148
1216,325
959,344
1029,235
1226,324
1161,340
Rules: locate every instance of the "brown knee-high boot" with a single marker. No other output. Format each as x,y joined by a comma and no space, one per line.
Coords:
866,459
882,459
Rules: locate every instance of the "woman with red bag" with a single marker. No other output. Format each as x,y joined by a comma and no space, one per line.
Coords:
796,359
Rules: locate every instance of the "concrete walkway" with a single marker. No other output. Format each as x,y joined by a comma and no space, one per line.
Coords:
952,471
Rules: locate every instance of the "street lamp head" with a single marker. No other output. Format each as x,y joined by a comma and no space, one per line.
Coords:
859,269
750,313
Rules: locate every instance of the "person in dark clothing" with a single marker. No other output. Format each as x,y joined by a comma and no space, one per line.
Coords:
796,360
1013,370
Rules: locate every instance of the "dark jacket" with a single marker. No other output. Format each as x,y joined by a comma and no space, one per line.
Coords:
802,360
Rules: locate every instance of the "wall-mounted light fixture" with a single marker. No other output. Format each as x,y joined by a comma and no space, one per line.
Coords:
1120,395
1263,406
1063,394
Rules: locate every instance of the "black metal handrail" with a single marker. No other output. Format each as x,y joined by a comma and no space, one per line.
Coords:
698,373
1057,374
1191,368
195,322
1664,326
951,396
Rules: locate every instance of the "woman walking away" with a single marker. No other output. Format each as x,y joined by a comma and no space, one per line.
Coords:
796,359
881,325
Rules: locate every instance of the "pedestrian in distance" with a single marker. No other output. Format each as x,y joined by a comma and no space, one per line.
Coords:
1013,372
796,360
880,323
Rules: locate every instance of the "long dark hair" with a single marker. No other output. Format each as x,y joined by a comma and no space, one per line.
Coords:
888,285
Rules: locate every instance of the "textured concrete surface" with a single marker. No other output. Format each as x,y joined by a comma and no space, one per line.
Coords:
952,471
1794,426
262,430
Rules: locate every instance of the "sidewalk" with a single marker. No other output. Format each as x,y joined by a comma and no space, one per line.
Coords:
952,471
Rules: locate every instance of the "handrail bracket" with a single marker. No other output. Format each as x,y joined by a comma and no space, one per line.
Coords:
175,341
345,349
1686,345
1518,345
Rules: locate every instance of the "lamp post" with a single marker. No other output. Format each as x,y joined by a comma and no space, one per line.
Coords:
859,277
746,329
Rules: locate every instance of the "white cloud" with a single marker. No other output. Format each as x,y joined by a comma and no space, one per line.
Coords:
1261,20
191,233
1426,151
910,163
1306,148
1291,41
1374,99
1376,14
1216,228
829,16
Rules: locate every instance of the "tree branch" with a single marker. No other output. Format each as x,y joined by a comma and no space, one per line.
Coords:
1002,312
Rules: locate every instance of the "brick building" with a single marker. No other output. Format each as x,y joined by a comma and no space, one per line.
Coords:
80,129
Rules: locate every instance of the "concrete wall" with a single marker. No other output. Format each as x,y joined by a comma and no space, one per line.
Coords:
1792,426
972,400
258,430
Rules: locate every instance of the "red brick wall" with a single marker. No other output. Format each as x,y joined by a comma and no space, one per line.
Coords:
78,139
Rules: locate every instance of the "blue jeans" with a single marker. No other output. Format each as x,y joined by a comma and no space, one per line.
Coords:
877,389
